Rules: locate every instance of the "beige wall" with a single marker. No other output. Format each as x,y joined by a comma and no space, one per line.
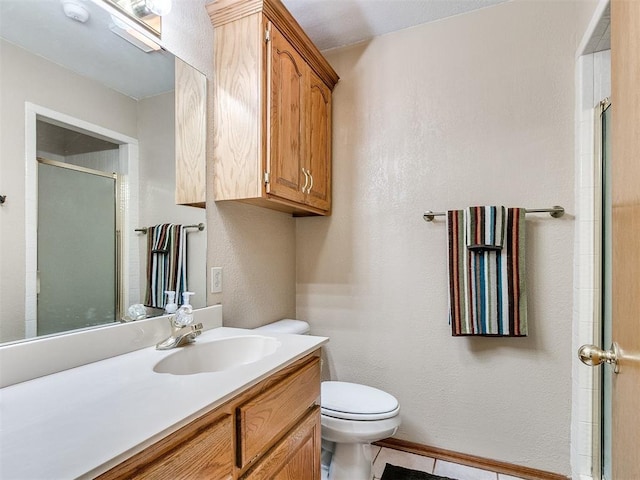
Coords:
254,246
473,110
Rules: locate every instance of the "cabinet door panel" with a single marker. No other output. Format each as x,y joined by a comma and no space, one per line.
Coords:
318,149
286,122
191,135
266,417
301,465
296,457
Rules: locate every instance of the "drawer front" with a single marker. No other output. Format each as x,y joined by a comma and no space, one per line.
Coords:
201,450
264,419
207,455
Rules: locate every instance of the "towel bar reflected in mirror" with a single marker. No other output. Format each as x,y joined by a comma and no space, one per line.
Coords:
199,226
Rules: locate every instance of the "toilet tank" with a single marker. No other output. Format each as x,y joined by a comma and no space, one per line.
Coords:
286,325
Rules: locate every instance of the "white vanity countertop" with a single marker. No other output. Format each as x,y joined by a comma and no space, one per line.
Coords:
81,422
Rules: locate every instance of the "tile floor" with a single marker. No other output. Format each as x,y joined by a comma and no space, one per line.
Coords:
382,456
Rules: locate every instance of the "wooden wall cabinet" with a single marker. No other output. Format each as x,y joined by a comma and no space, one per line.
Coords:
272,117
271,431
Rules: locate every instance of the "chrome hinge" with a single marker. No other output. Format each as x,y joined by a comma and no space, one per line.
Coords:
267,177
267,35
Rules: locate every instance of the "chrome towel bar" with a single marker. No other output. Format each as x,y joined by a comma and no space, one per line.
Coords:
556,212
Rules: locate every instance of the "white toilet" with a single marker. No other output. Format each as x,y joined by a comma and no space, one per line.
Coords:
352,416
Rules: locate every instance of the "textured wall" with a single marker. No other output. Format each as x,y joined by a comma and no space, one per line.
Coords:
255,246
472,110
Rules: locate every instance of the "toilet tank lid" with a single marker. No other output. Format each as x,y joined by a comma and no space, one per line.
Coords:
356,399
286,325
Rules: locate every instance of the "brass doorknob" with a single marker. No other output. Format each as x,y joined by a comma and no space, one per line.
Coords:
593,356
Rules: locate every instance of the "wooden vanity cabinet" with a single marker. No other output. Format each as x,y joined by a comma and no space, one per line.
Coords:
272,117
270,431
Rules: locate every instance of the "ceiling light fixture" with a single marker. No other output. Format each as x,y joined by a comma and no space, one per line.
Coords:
75,11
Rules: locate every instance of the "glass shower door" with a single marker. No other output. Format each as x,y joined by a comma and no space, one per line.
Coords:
76,247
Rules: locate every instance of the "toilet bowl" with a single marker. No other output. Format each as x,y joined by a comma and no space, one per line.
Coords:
352,417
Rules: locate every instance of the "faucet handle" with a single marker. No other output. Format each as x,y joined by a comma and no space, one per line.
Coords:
184,316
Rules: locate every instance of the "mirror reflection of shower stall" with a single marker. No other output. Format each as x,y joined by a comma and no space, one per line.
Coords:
77,230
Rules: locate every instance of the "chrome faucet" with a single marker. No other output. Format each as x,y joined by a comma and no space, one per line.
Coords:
181,334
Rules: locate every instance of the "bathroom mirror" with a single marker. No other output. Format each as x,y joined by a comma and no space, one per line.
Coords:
87,159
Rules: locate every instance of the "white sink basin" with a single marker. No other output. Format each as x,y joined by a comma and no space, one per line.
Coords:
217,355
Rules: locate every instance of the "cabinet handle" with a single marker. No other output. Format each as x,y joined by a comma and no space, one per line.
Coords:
306,180
311,185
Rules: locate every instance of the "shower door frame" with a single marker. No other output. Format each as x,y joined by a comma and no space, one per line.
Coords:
117,202
598,444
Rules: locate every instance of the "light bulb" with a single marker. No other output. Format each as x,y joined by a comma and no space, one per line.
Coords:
159,7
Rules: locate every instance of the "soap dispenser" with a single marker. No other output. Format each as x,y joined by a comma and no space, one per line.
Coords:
184,315
171,306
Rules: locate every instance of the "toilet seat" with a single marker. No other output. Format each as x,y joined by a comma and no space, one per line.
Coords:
352,401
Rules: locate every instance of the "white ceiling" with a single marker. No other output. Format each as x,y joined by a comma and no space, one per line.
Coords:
335,23
91,50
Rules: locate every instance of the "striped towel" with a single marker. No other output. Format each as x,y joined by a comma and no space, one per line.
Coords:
484,228
487,294
166,262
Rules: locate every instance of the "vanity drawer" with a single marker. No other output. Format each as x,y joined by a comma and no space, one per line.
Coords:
202,449
262,420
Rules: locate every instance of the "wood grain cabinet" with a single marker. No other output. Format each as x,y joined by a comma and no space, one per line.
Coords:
191,133
201,449
272,117
271,431
297,457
